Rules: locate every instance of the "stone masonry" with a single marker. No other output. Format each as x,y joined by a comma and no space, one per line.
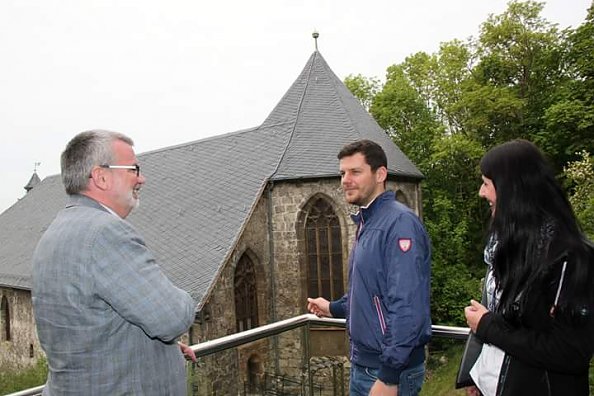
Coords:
23,348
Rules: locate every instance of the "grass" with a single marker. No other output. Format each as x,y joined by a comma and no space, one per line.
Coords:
442,368
12,380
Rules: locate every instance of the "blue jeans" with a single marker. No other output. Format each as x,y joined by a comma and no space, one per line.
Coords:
362,379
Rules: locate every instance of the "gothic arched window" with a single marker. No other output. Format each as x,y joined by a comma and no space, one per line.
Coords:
246,297
401,197
324,252
4,320
255,375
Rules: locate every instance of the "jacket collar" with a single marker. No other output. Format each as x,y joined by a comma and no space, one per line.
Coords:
366,212
83,200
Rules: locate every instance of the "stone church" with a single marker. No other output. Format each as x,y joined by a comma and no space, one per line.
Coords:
250,223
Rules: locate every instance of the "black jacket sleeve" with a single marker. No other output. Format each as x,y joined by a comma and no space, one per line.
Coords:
563,346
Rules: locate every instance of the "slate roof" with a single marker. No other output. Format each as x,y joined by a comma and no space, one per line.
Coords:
199,195
324,116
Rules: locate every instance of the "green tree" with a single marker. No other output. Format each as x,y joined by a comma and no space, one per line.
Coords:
580,176
520,64
363,88
569,122
452,79
452,217
400,109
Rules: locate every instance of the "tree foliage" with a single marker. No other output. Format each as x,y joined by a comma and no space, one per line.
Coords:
520,78
580,176
403,113
569,121
363,88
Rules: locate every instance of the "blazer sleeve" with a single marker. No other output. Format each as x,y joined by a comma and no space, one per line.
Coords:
128,278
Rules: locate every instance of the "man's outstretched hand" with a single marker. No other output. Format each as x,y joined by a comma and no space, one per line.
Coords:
319,306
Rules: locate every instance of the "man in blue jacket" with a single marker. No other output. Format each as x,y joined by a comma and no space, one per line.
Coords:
387,303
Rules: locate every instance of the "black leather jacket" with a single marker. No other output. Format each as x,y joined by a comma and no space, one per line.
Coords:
545,355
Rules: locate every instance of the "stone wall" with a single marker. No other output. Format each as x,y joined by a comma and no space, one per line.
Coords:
290,203
228,372
23,348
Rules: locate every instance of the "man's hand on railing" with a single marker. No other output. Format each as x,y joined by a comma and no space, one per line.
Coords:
187,351
319,307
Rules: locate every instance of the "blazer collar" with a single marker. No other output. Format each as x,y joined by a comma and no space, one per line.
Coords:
83,200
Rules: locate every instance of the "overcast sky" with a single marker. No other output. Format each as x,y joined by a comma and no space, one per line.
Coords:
167,72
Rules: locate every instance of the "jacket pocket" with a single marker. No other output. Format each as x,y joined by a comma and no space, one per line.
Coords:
380,314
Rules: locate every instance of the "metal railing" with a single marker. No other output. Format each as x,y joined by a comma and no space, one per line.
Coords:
28,392
220,344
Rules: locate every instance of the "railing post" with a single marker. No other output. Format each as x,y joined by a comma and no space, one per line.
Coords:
342,379
308,358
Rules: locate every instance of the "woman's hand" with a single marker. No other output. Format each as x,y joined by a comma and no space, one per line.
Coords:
474,312
472,391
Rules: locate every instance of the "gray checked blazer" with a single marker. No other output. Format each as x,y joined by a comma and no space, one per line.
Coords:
106,315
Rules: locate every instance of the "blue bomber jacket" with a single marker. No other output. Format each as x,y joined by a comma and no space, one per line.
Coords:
387,303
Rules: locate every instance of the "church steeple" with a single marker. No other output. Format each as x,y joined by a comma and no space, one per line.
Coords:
321,115
34,180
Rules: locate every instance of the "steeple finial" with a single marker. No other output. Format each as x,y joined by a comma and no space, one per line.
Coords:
34,180
315,35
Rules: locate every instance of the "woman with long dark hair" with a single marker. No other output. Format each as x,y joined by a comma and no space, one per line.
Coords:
538,327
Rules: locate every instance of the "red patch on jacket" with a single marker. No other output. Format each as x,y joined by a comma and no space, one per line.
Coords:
404,244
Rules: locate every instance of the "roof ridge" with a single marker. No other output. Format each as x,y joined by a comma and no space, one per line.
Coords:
206,139
292,133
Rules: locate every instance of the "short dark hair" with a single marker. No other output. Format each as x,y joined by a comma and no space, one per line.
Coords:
374,154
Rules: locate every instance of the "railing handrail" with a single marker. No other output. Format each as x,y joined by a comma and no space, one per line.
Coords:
220,344
29,392
233,340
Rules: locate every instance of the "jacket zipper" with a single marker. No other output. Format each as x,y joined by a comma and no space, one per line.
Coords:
503,375
357,234
380,314
548,381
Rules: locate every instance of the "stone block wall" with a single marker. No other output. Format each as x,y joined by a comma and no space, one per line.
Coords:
23,348
289,202
228,372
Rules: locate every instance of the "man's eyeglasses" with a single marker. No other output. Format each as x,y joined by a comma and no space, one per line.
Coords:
135,167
